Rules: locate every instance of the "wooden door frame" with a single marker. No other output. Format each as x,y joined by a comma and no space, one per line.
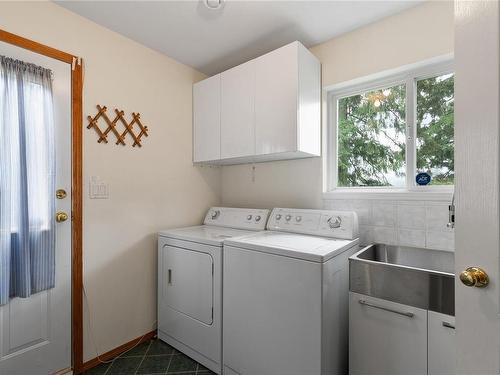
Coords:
76,184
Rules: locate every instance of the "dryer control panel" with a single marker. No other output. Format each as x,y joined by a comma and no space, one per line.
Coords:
326,223
239,218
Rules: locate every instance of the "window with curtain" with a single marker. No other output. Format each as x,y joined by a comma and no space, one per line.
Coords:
27,178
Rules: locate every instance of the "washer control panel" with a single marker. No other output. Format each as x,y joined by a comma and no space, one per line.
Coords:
239,218
327,223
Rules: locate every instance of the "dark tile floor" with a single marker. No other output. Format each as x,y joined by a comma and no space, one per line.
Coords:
151,357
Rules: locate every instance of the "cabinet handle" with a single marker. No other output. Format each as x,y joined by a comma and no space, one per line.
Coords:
448,325
170,276
404,313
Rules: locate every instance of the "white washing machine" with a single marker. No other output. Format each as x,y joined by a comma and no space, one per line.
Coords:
285,307
190,281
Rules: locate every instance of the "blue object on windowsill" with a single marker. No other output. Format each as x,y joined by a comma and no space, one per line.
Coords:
423,179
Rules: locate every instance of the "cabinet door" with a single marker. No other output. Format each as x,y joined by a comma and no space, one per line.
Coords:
386,338
442,346
238,111
276,87
206,119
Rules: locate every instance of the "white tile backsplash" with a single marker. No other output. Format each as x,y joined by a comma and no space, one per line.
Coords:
364,210
386,235
411,216
440,240
437,217
383,213
362,207
408,223
365,235
411,237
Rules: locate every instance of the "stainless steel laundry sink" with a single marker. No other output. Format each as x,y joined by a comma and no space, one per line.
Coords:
413,276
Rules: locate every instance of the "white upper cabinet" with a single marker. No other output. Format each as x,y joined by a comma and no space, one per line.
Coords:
269,109
287,103
206,120
237,111
276,89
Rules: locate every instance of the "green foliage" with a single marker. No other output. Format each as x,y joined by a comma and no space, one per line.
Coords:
371,134
371,139
435,145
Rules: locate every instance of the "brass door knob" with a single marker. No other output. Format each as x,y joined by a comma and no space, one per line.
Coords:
61,216
474,276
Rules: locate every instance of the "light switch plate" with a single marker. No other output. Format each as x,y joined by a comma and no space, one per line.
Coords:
98,189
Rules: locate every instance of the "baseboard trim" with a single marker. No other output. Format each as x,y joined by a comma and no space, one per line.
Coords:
117,351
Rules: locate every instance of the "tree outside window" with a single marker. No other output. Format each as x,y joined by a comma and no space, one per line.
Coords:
435,128
372,139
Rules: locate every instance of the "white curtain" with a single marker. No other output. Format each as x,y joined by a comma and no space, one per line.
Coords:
27,178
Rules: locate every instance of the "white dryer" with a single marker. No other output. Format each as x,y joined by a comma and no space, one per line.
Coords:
190,281
285,308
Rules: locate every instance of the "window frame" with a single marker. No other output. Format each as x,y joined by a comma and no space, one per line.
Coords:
407,75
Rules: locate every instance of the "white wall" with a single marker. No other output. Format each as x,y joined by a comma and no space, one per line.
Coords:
295,183
414,35
151,188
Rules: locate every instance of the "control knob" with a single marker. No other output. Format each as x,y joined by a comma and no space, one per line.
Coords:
278,217
334,222
288,217
257,218
249,217
215,214
298,219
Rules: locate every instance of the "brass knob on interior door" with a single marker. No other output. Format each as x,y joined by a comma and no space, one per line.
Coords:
61,216
474,276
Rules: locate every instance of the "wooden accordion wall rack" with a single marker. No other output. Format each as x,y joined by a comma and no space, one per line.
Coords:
112,126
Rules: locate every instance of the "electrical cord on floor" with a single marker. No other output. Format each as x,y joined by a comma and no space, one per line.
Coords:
92,338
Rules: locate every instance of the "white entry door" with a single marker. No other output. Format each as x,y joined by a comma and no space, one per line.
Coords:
35,332
477,133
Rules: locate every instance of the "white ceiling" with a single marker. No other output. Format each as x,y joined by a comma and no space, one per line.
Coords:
213,41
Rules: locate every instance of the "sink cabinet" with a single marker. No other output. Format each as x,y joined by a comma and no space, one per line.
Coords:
388,338
441,344
383,341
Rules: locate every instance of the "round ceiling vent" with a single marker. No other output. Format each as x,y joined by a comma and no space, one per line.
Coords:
213,4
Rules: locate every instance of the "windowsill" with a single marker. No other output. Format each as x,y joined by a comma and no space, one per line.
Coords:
434,193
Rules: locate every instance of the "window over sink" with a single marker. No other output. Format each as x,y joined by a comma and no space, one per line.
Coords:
395,131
